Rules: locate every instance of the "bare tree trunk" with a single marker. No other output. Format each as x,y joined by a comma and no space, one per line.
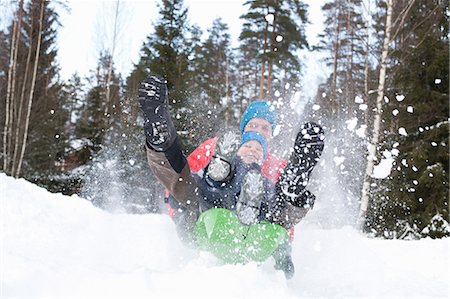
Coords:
334,103
8,120
377,119
366,66
350,97
10,90
227,96
21,102
111,62
33,83
263,63
272,52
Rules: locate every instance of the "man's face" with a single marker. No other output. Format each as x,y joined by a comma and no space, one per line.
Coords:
251,152
260,126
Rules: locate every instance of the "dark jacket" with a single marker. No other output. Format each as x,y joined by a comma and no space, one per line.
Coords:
225,195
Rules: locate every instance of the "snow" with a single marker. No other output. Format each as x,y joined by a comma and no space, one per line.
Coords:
363,107
400,97
338,160
383,169
351,123
402,131
60,246
359,100
361,131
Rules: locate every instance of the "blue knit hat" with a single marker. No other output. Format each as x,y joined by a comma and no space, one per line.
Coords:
247,136
259,109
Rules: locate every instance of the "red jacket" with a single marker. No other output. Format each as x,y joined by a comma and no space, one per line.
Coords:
202,155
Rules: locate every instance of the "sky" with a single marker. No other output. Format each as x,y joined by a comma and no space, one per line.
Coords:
84,33
81,37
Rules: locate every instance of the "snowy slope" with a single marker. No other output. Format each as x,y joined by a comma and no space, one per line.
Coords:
55,245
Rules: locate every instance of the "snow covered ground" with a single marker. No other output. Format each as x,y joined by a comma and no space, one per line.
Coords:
59,246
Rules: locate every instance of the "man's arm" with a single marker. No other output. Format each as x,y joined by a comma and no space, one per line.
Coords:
202,155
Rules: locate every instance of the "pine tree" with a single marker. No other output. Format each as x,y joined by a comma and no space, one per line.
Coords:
278,28
414,201
94,120
212,96
344,40
166,53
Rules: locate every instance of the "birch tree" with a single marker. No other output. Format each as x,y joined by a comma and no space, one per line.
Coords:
31,94
35,118
10,90
372,147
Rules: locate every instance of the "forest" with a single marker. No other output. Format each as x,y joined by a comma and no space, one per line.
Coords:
386,99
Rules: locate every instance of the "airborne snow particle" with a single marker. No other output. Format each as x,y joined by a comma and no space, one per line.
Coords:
437,81
402,131
315,107
395,112
400,97
279,38
361,132
269,18
363,107
338,160
351,123
410,109
404,163
433,143
359,100
383,169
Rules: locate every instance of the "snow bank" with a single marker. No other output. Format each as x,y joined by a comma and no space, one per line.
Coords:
60,246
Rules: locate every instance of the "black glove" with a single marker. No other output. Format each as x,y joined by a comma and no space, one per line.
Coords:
159,130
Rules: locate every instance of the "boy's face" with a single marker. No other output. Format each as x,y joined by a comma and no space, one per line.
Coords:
251,152
260,126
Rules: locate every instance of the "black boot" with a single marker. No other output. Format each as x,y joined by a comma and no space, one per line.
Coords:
307,149
283,260
159,130
220,168
249,202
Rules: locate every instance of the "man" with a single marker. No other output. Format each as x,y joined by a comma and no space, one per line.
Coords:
291,177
